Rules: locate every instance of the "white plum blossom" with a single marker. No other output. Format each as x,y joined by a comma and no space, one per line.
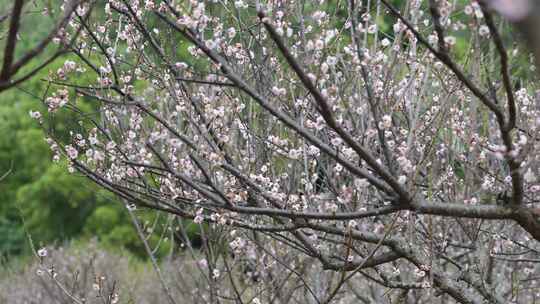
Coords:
529,176
72,153
181,65
203,263
279,91
313,151
199,216
450,40
483,31
34,114
386,122
231,32
149,5
42,252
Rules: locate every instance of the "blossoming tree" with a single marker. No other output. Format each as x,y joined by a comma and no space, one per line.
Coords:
365,150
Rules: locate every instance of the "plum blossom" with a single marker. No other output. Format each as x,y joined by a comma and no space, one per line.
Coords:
313,151
386,122
529,176
199,216
42,252
202,263
450,40
483,31
57,100
35,114
72,153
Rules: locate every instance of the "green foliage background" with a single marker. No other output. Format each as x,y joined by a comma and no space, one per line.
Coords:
40,199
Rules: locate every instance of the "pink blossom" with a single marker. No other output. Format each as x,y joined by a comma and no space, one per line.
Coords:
71,152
